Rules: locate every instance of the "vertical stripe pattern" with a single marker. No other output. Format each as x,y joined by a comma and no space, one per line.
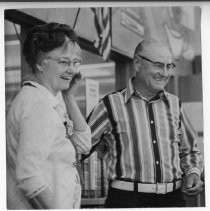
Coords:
116,135
154,143
103,29
131,115
149,141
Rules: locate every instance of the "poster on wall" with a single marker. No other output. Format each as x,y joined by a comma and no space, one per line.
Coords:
92,94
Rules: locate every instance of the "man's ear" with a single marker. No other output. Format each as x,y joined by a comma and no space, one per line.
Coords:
136,63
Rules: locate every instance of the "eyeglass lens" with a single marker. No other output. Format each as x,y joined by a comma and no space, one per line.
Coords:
68,62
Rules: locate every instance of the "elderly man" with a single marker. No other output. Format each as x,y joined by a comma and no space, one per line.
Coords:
152,157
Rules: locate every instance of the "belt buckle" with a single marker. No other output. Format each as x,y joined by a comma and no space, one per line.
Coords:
161,188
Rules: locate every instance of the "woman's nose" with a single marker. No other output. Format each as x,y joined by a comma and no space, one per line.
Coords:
71,69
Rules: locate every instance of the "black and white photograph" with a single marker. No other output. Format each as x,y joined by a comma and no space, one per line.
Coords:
104,105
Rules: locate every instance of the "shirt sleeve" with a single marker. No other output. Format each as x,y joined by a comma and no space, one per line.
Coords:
82,140
191,157
36,136
99,123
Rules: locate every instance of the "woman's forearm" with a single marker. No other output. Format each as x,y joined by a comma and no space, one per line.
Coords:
43,200
75,113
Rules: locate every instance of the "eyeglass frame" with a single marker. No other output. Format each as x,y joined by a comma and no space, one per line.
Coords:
68,63
155,63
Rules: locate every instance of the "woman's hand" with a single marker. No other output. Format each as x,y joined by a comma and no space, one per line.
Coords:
73,85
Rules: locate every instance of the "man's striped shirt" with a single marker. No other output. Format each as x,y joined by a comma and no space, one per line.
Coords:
147,141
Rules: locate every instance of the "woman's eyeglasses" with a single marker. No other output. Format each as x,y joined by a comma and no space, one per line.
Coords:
159,65
65,61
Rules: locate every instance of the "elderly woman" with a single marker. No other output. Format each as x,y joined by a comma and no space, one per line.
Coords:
45,128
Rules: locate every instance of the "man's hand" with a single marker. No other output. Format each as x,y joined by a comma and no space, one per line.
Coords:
192,185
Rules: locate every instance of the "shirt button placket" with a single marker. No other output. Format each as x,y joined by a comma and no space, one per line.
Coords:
154,142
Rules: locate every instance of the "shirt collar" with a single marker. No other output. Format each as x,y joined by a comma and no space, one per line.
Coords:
54,100
131,91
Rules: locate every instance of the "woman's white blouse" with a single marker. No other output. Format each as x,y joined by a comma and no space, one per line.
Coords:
39,152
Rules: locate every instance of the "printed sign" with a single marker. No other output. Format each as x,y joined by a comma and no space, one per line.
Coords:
92,94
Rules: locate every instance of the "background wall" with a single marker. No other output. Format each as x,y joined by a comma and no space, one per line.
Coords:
85,22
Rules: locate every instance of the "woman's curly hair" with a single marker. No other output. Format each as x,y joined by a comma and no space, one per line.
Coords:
45,38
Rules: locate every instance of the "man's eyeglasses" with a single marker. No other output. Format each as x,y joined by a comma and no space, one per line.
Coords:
159,65
65,61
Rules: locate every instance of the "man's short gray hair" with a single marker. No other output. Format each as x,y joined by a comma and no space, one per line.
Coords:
141,46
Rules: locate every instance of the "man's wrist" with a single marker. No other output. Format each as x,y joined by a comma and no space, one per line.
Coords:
194,170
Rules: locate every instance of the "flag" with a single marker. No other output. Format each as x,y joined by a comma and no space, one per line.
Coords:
103,28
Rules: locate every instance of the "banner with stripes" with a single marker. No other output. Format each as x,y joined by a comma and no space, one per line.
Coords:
103,28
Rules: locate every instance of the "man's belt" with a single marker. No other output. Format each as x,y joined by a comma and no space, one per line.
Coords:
158,188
